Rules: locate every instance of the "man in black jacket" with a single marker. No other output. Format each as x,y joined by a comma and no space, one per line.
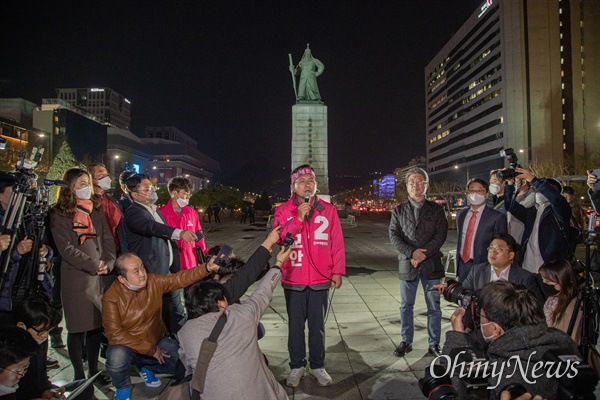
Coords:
418,229
150,238
16,348
513,323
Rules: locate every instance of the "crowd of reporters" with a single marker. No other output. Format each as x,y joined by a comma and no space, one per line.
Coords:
526,301
113,265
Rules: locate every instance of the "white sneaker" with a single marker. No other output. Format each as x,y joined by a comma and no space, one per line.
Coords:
295,376
322,376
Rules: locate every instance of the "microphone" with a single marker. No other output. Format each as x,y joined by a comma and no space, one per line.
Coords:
306,200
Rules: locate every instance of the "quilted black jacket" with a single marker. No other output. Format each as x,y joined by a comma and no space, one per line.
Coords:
429,232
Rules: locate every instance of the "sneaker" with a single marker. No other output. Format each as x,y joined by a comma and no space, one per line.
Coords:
295,376
149,379
51,363
122,394
322,376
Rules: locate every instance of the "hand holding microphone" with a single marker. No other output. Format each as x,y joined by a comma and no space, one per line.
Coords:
304,208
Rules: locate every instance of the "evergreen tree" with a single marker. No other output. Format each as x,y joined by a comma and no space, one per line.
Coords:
64,160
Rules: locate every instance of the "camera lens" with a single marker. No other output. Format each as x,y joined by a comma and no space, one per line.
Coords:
437,388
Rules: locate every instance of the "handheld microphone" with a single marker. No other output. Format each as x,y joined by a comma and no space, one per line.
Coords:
306,200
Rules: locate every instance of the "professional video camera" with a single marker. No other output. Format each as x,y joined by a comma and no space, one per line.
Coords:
466,298
513,163
28,202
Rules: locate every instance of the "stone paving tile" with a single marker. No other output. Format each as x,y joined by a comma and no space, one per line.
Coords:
362,329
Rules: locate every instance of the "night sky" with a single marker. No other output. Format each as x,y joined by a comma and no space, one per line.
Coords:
219,70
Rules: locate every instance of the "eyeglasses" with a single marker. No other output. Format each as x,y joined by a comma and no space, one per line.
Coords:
496,249
40,332
21,373
415,182
480,191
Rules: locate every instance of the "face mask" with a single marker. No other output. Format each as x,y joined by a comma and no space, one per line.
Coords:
540,198
41,341
152,197
182,203
8,389
486,338
129,286
475,199
84,194
104,183
494,189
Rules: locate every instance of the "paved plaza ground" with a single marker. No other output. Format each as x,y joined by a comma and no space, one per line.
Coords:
362,328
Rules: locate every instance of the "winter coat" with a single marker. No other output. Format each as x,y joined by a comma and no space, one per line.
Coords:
238,353
429,232
553,228
318,249
81,287
133,318
525,343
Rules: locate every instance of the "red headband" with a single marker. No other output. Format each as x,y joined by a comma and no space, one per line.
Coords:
302,172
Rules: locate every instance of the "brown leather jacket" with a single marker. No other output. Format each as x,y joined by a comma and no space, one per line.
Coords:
133,318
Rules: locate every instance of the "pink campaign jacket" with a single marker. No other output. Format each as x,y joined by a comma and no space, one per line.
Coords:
187,220
318,250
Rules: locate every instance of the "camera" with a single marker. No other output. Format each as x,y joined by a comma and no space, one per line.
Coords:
513,163
465,298
437,388
288,241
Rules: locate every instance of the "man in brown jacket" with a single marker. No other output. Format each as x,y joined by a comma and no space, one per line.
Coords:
131,315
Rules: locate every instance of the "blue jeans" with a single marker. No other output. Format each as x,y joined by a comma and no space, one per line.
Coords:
120,358
408,294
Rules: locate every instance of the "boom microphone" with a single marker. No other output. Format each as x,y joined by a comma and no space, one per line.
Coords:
57,182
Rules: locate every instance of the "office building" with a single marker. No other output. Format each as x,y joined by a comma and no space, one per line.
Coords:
108,106
518,74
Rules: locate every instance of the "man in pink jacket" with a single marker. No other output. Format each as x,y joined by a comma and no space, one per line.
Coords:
178,215
317,262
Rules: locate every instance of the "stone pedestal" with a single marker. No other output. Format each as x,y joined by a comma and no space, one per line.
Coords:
309,140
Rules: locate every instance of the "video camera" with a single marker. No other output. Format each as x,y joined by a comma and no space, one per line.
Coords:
465,298
513,164
28,201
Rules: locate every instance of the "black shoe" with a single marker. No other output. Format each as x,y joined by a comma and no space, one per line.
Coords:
56,342
403,349
51,363
434,350
103,379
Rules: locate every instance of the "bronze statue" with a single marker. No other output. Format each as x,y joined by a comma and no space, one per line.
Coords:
310,68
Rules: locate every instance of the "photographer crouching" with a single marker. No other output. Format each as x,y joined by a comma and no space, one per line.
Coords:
522,351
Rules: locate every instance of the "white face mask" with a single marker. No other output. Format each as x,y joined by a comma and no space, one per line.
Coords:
494,189
41,341
129,286
540,198
486,338
152,197
182,202
475,199
105,183
8,389
84,194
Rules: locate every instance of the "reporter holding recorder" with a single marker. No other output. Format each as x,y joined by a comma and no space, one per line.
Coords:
317,263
